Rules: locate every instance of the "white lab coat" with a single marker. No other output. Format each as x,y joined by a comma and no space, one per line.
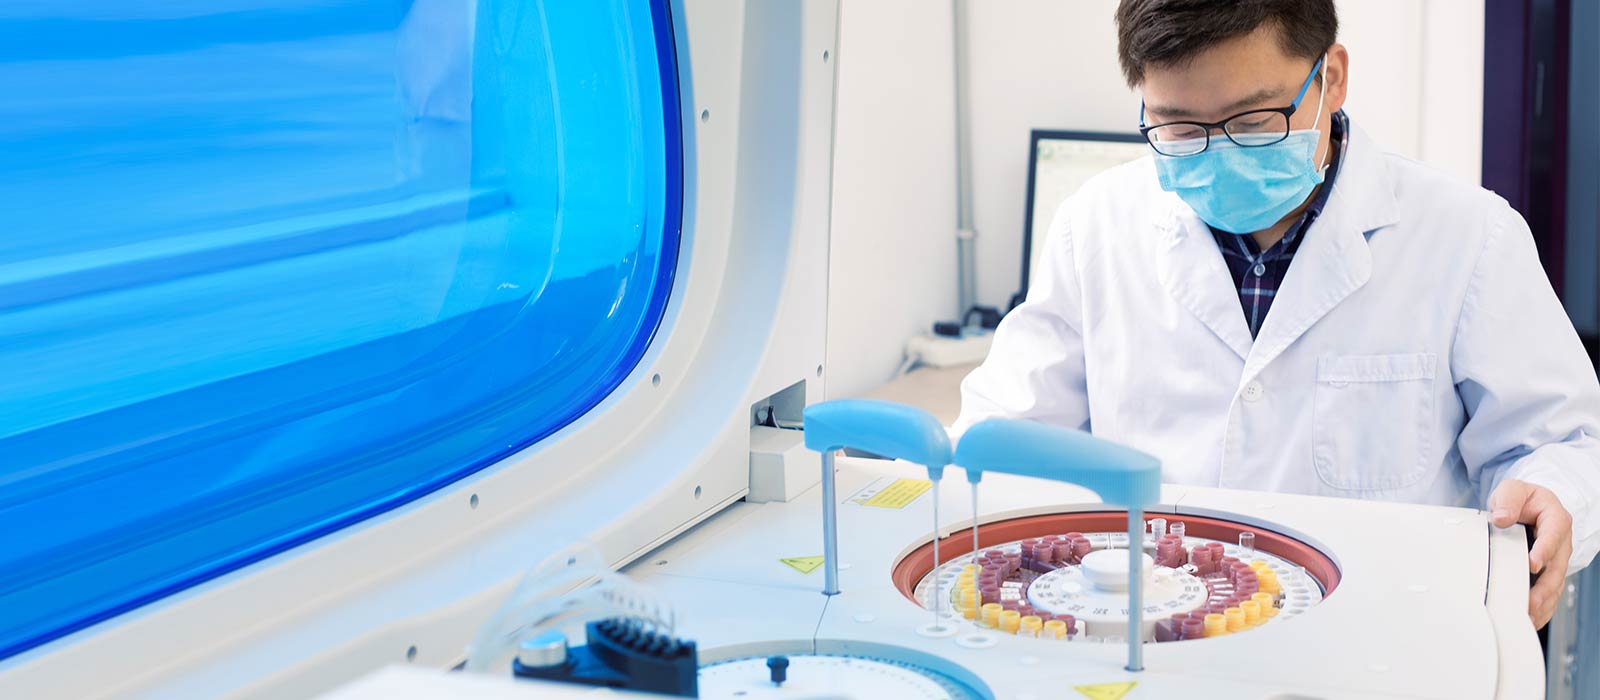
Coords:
1415,351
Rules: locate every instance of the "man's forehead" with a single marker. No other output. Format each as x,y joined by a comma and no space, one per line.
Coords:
1260,97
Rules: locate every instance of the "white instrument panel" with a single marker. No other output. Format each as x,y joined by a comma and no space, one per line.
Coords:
1408,618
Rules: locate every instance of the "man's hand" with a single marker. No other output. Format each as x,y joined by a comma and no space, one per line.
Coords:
1521,502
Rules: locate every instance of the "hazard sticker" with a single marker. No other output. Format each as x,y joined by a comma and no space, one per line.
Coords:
804,565
1106,691
895,494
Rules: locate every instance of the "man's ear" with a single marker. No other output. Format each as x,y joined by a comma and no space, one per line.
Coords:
1337,77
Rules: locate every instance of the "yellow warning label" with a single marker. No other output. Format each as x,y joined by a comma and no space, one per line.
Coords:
898,494
1106,691
804,565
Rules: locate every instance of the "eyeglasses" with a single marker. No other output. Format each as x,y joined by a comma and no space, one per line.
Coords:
1257,127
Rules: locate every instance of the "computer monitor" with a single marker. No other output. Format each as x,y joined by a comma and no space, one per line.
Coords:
1059,162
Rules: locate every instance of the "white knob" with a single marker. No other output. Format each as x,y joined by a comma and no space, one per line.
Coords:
1107,569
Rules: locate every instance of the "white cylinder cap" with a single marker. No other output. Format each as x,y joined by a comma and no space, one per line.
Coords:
1107,569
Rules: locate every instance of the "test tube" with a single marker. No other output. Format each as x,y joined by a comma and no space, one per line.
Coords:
1010,621
991,614
1247,542
1070,622
1215,625
989,593
1054,629
1176,528
1252,612
1158,527
1234,618
1029,625
1265,603
1042,554
1081,546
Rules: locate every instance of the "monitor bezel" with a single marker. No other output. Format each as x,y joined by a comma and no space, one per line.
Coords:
1034,137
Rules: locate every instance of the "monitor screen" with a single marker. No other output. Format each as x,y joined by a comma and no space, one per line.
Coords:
1059,163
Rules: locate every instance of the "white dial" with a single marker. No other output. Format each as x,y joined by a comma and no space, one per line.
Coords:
1069,590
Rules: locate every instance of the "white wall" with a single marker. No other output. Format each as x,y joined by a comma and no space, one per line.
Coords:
892,262
1416,85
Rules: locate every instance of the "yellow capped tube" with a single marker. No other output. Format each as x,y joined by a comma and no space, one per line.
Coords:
1267,582
1252,613
1054,629
1216,626
1235,619
991,614
1029,626
1269,608
1010,621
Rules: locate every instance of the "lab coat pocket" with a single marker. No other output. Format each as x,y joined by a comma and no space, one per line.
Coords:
1373,417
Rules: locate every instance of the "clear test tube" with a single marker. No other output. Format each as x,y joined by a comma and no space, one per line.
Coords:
1247,542
1176,528
1158,528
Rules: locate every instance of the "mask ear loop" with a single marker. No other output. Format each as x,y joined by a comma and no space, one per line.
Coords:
1322,92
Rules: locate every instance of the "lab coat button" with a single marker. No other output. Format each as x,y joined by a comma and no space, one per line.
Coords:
1253,391
1260,270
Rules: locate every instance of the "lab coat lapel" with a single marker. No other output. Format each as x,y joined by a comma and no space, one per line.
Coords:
1190,266
1334,260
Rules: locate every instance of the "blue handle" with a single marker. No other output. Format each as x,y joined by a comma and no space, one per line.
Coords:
1121,476
879,427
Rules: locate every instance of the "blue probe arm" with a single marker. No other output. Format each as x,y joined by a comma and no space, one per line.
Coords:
1121,476
879,427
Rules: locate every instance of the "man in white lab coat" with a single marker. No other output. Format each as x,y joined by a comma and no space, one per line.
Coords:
1272,301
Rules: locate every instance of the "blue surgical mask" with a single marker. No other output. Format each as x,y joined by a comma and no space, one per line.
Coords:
1241,189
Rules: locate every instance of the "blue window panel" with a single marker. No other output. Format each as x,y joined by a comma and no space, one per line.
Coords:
270,267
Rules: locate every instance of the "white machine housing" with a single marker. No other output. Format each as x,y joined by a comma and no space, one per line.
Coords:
668,448
1432,603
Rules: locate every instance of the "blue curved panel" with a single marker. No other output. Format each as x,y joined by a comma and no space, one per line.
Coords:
275,266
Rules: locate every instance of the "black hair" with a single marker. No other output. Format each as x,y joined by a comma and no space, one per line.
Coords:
1172,32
